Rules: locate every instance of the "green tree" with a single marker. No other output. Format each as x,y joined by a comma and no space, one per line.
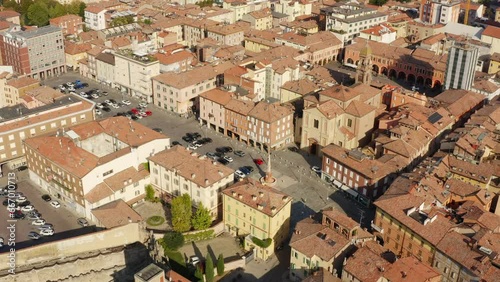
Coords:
209,269
12,5
73,8
38,14
25,5
172,241
201,219
378,2
81,10
57,10
198,274
181,213
220,265
147,22
150,193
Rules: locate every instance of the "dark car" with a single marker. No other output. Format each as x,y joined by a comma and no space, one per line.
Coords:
17,215
25,203
175,143
228,149
134,117
239,153
33,235
223,161
112,101
248,168
10,187
293,149
22,168
194,135
46,198
106,109
85,84
187,139
244,170
208,139
159,130
5,202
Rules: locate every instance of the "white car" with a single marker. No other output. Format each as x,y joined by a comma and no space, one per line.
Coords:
21,199
99,105
71,88
1,242
316,169
55,204
228,158
240,174
143,105
116,106
46,226
84,95
27,208
192,147
127,102
194,260
62,87
70,84
95,96
38,222
47,232
98,112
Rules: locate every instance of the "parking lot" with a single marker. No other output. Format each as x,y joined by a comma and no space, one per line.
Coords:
64,222
292,169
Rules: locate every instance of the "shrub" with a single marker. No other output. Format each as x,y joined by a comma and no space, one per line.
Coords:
209,269
262,243
203,235
150,193
155,220
220,265
172,240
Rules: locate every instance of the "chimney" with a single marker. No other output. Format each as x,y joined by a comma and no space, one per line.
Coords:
233,193
240,196
193,176
206,181
261,194
254,198
273,210
220,173
129,220
403,274
285,198
260,207
124,182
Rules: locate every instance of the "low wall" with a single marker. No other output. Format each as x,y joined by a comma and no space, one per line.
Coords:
107,239
232,265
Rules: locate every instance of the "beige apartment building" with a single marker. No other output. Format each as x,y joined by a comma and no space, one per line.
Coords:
344,116
230,35
179,171
212,108
270,125
260,213
178,92
20,122
133,73
236,119
260,20
105,63
15,88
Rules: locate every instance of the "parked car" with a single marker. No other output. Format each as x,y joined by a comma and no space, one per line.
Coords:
240,174
127,102
175,143
33,216
192,147
38,222
46,226
258,161
55,204
46,198
206,140
24,204
239,153
105,93
21,199
143,105
316,169
27,208
22,168
228,159
187,139
106,109
33,235
212,156
194,260
47,232
159,130
98,112
83,222
1,242
99,105
247,169
223,161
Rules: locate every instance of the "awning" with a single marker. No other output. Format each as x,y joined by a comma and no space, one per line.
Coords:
349,190
337,183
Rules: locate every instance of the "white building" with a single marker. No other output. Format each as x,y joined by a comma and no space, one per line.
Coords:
133,73
461,66
95,18
293,8
240,8
179,171
105,68
92,164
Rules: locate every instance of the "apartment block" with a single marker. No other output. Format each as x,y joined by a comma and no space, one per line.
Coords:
347,20
293,9
14,88
241,8
133,73
94,163
260,20
95,17
258,212
70,24
24,121
179,171
213,108
439,11
324,244
179,92
75,53
105,64
88,66
37,52
230,35
461,66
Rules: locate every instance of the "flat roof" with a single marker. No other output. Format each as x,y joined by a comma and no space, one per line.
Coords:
18,111
149,272
36,31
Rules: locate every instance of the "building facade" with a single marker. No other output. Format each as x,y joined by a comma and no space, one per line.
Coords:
15,88
95,17
179,171
38,52
461,66
258,212
70,24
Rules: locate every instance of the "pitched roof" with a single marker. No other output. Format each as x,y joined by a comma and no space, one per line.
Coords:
73,48
340,92
61,19
269,113
116,213
185,79
329,109
492,31
191,166
257,196
359,109
410,269
459,101
313,239
22,82
218,96
366,265
242,107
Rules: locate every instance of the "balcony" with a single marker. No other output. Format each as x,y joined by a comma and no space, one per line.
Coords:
377,228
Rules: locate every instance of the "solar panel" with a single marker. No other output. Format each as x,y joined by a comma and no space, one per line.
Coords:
435,117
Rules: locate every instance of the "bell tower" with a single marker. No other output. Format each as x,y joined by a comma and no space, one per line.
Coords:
364,70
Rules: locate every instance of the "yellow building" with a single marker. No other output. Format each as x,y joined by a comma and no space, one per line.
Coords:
15,88
494,63
258,212
259,19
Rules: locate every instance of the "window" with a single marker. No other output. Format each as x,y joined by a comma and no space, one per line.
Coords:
349,122
185,187
316,123
107,173
136,184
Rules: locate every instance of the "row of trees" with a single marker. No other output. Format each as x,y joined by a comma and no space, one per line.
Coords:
209,269
38,12
183,218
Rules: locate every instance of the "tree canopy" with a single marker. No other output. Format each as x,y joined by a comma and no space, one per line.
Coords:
39,12
172,240
181,213
202,218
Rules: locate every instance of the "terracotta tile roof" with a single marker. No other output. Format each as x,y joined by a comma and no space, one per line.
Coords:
359,109
9,14
433,39
330,109
94,9
99,192
262,13
340,217
22,82
459,102
372,169
495,57
492,31
340,92
188,78
410,269
116,213
88,36
313,239
120,42
4,25
61,19
302,87
191,166
257,196
366,265
73,48
269,113
242,107
486,86
481,172
106,57
379,30
218,96
125,178
44,94
96,50
397,207
167,59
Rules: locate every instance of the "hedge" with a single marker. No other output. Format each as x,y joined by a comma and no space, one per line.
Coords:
203,235
262,243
